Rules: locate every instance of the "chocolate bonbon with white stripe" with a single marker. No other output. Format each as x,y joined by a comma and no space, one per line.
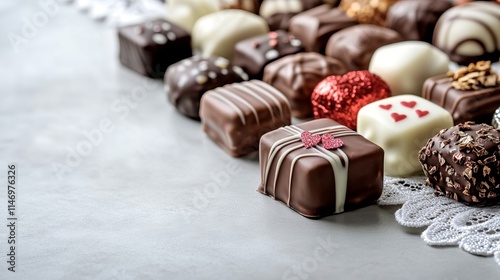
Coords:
235,116
317,182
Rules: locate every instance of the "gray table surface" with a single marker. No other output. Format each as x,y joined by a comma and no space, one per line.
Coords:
153,198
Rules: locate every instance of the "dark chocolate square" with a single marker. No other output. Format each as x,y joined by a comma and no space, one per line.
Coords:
315,26
235,116
149,48
317,182
255,53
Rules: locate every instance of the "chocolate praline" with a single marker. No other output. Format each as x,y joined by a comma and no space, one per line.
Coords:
416,19
355,45
463,162
187,81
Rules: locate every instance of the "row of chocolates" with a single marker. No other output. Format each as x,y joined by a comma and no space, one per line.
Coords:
325,167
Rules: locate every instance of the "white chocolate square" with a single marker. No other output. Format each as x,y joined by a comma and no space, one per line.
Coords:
269,8
217,33
185,13
402,125
405,66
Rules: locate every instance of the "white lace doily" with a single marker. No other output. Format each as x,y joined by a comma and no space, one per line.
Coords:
449,223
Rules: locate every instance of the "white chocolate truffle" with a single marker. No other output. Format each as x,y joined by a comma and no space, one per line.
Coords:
470,33
185,13
406,65
402,125
217,33
269,8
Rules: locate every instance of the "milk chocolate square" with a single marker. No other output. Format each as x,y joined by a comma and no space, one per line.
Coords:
316,182
464,105
235,116
149,48
255,53
315,26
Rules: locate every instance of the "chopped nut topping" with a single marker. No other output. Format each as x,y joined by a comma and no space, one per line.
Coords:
475,76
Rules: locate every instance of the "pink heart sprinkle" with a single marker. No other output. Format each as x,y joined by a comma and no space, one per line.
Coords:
330,142
397,117
421,113
386,107
309,140
409,104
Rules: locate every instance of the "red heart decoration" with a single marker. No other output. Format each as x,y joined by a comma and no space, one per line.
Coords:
386,107
409,104
330,142
397,117
309,140
421,113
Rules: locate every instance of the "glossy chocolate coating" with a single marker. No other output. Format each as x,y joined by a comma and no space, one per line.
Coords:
297,75
463,162
247,5
469,33
315,26
280,21
355,45
187,80
310,187
235,116
255,53
415,19
151,47
474,105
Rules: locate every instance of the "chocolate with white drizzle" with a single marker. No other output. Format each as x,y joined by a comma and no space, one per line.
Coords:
464,163
317,182
235,116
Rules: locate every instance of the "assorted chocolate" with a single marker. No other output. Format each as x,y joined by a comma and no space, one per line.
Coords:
463,163
149,48
341,97
470,33
297,75
324,167
355,45
235,116
401,125
315,26
217,33
255,53
415,20
470,93
320,168
405,66
187,80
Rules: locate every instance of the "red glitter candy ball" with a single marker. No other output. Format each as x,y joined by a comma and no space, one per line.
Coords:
340,97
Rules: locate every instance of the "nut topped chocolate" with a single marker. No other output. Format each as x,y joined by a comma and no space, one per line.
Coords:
470,93
367,11
464,163
255,53
355,45
187,80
